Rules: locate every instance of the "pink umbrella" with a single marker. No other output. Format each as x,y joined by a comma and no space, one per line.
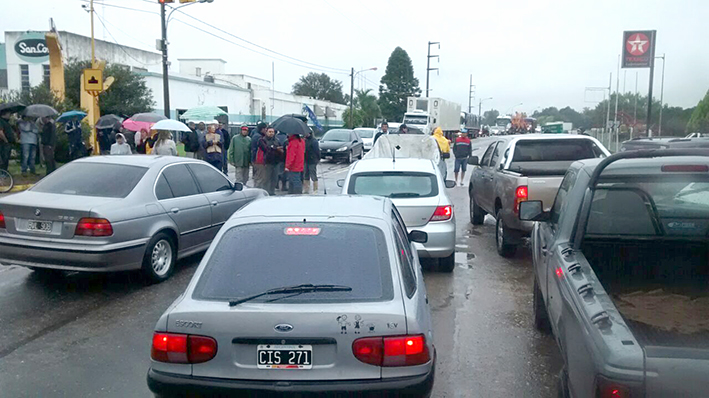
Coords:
132,125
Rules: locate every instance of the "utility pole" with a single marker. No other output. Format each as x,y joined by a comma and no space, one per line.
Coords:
352,98
480,108
662,96
165,77
608,109
471,95
649,91
428,62
617,94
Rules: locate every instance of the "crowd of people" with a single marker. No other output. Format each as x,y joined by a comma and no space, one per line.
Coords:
33,135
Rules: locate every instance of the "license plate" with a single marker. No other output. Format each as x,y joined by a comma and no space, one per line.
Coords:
272,356
39,226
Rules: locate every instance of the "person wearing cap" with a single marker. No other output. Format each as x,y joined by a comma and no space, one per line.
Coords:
239,154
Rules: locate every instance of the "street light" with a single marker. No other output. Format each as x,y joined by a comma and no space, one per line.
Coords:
352,76
480,108
163,47
512,108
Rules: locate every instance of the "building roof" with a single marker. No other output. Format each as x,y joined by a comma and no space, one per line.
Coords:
202,59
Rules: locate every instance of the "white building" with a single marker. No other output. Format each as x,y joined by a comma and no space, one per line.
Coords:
200,81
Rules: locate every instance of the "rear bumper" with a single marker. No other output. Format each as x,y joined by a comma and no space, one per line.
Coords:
74,257
179,385
441,239
335,155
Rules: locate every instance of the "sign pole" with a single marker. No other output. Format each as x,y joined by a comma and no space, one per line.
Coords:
649,91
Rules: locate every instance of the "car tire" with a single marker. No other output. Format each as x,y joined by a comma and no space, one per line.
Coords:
477,214
541,316
350,157
160,258
502,238
447,264
361,154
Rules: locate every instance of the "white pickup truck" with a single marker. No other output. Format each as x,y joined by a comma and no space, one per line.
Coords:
517,168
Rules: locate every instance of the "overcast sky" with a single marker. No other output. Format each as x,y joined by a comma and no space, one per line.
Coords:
538,53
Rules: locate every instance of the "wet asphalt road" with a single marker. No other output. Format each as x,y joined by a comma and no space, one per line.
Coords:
89,335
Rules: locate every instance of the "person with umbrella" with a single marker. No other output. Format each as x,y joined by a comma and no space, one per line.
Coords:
191,141
165,145
239,154
49,142
281,177
7,138
295,162
29,135
201,132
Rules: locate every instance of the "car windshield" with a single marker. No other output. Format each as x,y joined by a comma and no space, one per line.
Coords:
250,259
92,179
503,122
394,184
337,135
422,120
365,133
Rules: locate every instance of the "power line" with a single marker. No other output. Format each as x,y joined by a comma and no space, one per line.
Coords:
124,8
120,46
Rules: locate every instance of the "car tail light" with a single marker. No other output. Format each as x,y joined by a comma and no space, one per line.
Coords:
182,348
2,220
392,351
521,195
610,389
685,168
93,227
442,213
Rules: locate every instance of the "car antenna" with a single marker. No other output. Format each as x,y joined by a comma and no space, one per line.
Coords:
393,153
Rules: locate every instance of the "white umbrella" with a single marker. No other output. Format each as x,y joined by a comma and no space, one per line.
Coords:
171,125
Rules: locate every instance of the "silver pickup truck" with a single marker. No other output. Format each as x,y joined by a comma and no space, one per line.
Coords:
621,274
514,169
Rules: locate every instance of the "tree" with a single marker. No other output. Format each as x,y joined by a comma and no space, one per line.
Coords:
699,121
490,116
352,122
127,95
319,86
397,83
368,106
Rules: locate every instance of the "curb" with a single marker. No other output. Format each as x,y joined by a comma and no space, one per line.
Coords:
20,188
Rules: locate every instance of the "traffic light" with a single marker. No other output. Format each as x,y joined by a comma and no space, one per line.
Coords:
165,1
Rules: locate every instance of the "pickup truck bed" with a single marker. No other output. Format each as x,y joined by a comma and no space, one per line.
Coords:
660,288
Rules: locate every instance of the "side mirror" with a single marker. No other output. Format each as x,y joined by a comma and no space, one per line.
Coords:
450,184
238,186
418,236
533,211
340,183
474,161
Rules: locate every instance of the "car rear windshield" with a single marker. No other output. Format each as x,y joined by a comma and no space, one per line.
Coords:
671,206
337,135
394,184
366,133
555,150
92,179
250,259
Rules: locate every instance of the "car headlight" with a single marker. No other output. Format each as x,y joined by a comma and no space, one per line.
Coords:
344,148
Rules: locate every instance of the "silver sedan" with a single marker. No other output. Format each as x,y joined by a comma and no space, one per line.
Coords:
301,295
119,213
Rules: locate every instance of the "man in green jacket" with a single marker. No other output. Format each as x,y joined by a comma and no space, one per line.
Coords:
240,154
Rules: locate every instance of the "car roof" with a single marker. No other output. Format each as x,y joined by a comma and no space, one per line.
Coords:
137,160
386,164
636,166
297,207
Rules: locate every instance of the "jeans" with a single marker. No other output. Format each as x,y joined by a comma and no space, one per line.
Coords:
29,151
281,175
461,163
270,178
310,172
259,176
295,182
48,152
242,175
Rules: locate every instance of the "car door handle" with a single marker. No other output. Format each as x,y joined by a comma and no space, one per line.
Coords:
175,210
544,250
214,203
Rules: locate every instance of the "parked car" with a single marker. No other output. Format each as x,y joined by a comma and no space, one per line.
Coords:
347,315
419,193
341,144
646,143
118,213
367,136
620,274
514,169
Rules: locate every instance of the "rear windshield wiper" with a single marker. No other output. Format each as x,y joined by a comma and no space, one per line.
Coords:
405,195
305,288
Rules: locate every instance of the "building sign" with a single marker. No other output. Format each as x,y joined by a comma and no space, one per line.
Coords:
32,47
93,80
638,48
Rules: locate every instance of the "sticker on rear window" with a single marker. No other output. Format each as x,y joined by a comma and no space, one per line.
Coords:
304,231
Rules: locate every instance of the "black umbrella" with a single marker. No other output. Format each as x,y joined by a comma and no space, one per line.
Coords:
291,125
40,110
11,107
107,121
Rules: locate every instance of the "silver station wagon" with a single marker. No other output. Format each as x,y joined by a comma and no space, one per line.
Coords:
301,295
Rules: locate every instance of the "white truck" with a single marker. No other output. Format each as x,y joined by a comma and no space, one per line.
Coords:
502,125
428,113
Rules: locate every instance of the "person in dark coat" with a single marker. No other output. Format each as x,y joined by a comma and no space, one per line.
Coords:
258,166
312,158
76,145
226,139
281,178
7,139
267,155
48,136
191,141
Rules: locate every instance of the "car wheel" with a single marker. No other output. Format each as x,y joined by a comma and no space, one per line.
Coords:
541,316
361,154
502,238
350,157
477,214
447,264
160,257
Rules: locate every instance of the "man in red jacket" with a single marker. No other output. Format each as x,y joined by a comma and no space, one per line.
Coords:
295,162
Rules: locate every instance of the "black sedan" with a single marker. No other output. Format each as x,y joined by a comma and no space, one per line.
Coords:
341,144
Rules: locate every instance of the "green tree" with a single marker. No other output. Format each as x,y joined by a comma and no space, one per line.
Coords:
352,122
368,106
490,116
320,86
699,121
127,95
397,83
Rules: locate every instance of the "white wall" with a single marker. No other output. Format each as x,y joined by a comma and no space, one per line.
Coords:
188,66
286,103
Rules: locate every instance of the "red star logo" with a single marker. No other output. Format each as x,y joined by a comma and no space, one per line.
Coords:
637,44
